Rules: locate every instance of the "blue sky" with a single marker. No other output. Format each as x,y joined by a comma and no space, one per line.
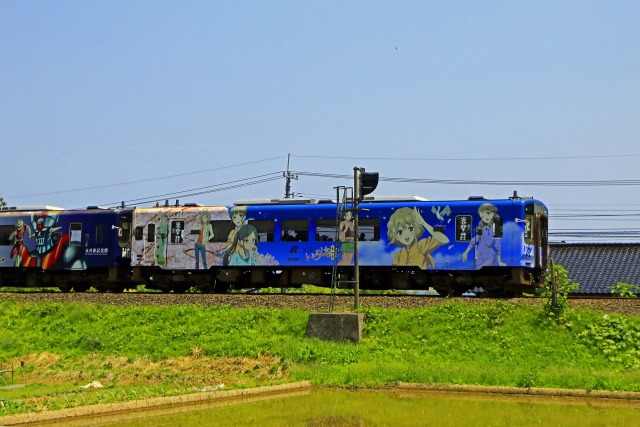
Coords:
138,100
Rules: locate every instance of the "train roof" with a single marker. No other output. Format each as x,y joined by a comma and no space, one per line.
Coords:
30,208
309,201
366,199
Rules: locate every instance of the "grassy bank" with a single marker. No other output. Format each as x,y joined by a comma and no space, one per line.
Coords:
55,349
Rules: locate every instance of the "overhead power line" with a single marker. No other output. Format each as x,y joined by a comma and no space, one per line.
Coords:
474,159
146,179
590,183
201,190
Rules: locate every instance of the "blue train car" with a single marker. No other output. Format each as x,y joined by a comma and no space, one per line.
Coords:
70,249
401,243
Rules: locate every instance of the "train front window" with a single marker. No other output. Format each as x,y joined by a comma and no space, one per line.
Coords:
530,212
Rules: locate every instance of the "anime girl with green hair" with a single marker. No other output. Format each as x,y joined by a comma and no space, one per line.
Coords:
161,244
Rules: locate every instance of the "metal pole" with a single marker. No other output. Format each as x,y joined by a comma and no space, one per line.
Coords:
356,261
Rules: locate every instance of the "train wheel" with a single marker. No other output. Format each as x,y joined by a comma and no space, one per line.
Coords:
443,291
220,288
81,287
180,288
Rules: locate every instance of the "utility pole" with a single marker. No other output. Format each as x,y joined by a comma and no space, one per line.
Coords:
288,176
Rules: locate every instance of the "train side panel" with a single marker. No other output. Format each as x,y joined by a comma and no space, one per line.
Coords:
408,245
58,247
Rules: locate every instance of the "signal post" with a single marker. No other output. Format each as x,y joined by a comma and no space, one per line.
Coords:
346,326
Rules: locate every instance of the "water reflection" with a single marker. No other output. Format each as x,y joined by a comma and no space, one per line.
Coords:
329,408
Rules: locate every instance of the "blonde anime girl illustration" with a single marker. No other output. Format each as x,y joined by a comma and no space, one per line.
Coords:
487,240
404,229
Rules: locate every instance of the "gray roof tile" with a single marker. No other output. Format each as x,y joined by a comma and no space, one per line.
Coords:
598,266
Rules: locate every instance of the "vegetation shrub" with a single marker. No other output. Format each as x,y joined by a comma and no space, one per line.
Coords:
482,343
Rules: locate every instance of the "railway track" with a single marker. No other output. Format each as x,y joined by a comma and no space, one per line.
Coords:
311,302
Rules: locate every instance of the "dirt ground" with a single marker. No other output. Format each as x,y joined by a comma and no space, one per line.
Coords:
54,384
194,371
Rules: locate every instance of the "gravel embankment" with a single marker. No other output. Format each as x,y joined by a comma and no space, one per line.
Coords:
320,303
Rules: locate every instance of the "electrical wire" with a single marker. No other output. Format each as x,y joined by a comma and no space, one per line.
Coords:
200,190
147,179
593,183
475,159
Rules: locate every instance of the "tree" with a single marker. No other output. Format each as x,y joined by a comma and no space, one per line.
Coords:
2,202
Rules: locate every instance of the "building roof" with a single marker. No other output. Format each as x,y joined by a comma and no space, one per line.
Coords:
596,267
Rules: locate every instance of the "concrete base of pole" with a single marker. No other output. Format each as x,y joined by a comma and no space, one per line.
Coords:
335,326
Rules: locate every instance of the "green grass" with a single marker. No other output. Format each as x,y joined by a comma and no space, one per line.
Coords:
494,343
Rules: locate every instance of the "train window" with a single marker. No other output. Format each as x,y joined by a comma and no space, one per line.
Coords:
123,233
125,229
138,233
295,230
177,232
221,230
151,233
75,234
265,229
5,234
528,224
497,227
326,229
99,233
368,229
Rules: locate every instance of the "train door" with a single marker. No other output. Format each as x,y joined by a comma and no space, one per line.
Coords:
145,246
541,240
124,234
74,255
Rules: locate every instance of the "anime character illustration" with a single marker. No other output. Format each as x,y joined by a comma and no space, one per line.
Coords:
17,235
161,243
243,250
441,214
205,234
346,237
43,231
238,214
487,239
404,229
